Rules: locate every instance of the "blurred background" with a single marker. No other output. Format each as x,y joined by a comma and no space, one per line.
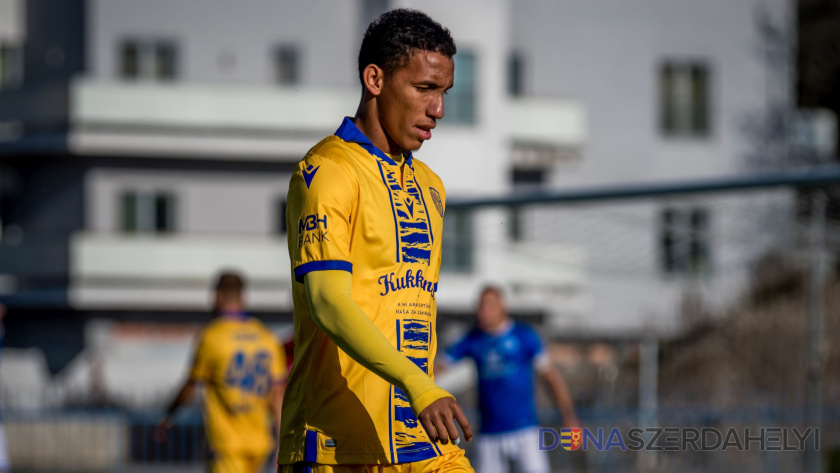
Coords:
654,183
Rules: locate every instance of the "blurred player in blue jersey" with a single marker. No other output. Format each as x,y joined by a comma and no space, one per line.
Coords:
508,355
243,369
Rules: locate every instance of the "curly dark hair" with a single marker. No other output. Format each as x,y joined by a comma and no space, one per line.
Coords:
391,39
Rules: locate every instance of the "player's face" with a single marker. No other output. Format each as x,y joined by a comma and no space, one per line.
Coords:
491,312
411,100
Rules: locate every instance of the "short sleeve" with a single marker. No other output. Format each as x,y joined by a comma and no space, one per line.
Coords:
460,349
202,365
532,341
319,213
535,348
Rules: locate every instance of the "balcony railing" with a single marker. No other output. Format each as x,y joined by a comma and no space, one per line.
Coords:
175,271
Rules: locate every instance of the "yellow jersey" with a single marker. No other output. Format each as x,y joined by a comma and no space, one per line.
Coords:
348,210
238,359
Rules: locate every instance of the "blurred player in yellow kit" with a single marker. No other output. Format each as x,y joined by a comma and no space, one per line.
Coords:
365,228
240,363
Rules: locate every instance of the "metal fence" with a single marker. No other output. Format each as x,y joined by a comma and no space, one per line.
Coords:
705,305
102,440
111,441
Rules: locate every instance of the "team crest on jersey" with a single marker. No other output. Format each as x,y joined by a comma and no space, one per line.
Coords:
570,439
437,201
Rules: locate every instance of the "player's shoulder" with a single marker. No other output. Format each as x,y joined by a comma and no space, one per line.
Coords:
331,149
211,330
523,330
474,335
331,160
260,330
423,168
260,327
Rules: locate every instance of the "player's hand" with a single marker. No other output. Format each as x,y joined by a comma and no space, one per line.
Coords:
439,421
162,429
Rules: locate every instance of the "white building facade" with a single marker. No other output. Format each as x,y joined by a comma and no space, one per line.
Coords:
165,132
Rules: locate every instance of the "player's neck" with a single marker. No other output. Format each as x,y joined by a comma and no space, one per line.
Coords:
367,121
397,158
500,329
233,311
369,125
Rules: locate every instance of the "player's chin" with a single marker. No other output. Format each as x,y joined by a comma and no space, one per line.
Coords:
413,144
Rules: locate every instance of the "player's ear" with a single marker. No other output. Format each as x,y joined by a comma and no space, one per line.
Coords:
372,77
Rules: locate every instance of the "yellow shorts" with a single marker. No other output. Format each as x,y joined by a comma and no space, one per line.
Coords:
454,462
237,463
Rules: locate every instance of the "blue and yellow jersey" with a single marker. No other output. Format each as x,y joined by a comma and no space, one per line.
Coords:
349,210
238,359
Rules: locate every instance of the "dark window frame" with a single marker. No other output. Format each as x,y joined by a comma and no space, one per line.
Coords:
686,241
11,65
461,101
286,65
281,227
685,98
150,59
458,242
144,212
515,76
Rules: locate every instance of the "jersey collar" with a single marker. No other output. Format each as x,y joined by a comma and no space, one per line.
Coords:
234,314
503,330
349,132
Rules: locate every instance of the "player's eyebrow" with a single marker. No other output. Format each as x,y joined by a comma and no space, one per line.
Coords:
430,84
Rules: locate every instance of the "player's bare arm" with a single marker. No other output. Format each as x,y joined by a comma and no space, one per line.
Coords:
184,396
560,394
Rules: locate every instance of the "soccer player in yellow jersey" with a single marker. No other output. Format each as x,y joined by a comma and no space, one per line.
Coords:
365,220
243,369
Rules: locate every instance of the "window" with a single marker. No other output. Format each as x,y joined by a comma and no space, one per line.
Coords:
286,65
457,242
684,90
130,57
460,101
11,66
528,177
514,75
164,60
147,212
281,216
686,241
515,223
148,59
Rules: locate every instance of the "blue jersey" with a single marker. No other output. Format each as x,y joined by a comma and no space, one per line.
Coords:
505,364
